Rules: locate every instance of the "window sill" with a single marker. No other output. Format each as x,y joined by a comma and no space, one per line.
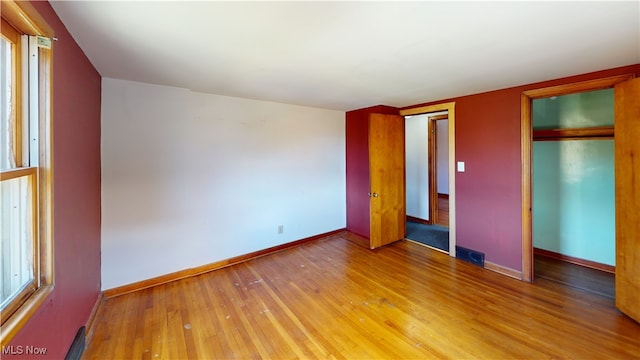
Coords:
25,312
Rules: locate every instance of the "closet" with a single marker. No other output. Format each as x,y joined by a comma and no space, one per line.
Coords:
626,164
573,177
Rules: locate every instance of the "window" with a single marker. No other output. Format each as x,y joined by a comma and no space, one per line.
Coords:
26,275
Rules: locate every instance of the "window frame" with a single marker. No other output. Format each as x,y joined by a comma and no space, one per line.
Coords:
13,35
23,17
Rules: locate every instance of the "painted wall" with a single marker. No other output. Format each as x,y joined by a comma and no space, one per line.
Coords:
442,157
76,192
488,193
574,199
417,162
417,166
192,178
573,181
586,109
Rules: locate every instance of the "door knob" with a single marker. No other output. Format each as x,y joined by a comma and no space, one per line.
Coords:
373,194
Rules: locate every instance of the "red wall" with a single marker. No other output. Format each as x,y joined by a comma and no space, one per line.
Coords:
357,163
76,192
488,193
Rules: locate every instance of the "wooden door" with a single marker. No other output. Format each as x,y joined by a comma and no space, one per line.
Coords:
627,173
387,186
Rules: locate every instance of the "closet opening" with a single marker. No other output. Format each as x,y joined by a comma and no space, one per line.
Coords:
570,130
573,190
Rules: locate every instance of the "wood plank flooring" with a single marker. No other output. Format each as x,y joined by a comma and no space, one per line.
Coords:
443,210
580,277
334,298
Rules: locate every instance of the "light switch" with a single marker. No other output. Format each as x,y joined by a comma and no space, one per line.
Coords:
460,166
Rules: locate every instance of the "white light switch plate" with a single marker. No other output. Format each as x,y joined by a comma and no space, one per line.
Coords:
460,166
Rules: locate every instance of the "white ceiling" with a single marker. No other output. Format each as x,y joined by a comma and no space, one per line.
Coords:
349,55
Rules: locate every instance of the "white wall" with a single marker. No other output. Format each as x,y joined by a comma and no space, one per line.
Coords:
417,162
417,170
191,178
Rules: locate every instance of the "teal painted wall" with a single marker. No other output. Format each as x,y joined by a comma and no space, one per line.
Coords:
587,109
573,180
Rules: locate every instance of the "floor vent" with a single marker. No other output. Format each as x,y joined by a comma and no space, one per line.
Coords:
472,256
77,347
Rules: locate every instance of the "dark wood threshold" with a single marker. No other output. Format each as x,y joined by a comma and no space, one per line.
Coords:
570,259
443,196
418,220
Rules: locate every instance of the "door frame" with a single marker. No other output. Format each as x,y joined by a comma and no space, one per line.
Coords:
449,107
433,165
527,151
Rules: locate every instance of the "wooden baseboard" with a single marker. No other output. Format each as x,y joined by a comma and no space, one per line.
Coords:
418,220
183,274
503,270
573,260
443,196
91,322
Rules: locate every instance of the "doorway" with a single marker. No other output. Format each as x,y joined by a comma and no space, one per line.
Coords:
573,190
527,154
438,155
421,180
426,164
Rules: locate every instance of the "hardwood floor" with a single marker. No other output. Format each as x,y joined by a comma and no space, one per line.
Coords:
334,298
443,210
580,277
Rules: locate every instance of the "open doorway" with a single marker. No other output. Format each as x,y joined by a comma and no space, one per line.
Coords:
573,190
529,137
438,154
429,140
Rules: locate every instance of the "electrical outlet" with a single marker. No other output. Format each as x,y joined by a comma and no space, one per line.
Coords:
280,229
